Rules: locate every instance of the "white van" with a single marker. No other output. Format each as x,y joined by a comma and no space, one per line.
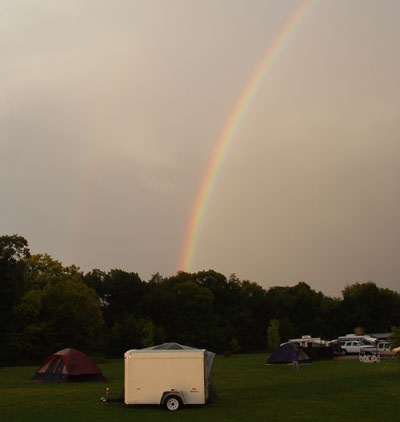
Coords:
381,348
384,348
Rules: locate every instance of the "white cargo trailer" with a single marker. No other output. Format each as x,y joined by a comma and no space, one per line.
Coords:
166,377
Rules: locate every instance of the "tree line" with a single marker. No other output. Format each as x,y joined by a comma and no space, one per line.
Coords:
46,306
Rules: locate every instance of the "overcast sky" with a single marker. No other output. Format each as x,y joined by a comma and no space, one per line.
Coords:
109,111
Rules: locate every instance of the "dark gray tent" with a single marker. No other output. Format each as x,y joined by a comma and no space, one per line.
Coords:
284,353
170,346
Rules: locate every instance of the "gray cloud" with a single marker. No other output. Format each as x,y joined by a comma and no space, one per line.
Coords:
109,112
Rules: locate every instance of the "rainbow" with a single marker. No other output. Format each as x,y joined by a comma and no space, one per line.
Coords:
231,127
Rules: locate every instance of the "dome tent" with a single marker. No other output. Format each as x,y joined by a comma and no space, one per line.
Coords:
283,354
68,365
169,346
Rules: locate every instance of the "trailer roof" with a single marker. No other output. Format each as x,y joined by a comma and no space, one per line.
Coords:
166,353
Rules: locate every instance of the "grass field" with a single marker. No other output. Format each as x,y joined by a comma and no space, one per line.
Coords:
247,390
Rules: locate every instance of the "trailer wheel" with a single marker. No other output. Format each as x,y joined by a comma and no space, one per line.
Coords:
172,403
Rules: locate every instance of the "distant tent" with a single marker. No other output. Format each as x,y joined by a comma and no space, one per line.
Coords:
68,365
283,354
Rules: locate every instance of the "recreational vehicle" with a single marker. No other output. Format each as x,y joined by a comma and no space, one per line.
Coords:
365,340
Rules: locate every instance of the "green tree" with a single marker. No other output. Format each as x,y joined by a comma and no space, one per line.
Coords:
64,305
58,310
42,269
273,334
29,340
368,306
120,293
234,345
125,334
301,310
395,337
181,307
13,250
62,314
148,334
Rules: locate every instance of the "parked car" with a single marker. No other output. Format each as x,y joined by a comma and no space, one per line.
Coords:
381,347
352,347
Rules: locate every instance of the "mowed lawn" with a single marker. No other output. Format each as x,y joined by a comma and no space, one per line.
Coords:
247,390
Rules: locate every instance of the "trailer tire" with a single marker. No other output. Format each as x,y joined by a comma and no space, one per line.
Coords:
172,403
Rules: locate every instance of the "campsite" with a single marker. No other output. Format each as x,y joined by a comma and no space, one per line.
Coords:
199,210
246,389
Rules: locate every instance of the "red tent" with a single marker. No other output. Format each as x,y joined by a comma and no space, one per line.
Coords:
69,365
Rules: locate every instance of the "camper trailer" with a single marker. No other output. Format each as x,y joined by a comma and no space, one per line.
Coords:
308,341
168,377
365,340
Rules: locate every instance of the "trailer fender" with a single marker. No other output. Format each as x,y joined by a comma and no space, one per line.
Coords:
172,393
